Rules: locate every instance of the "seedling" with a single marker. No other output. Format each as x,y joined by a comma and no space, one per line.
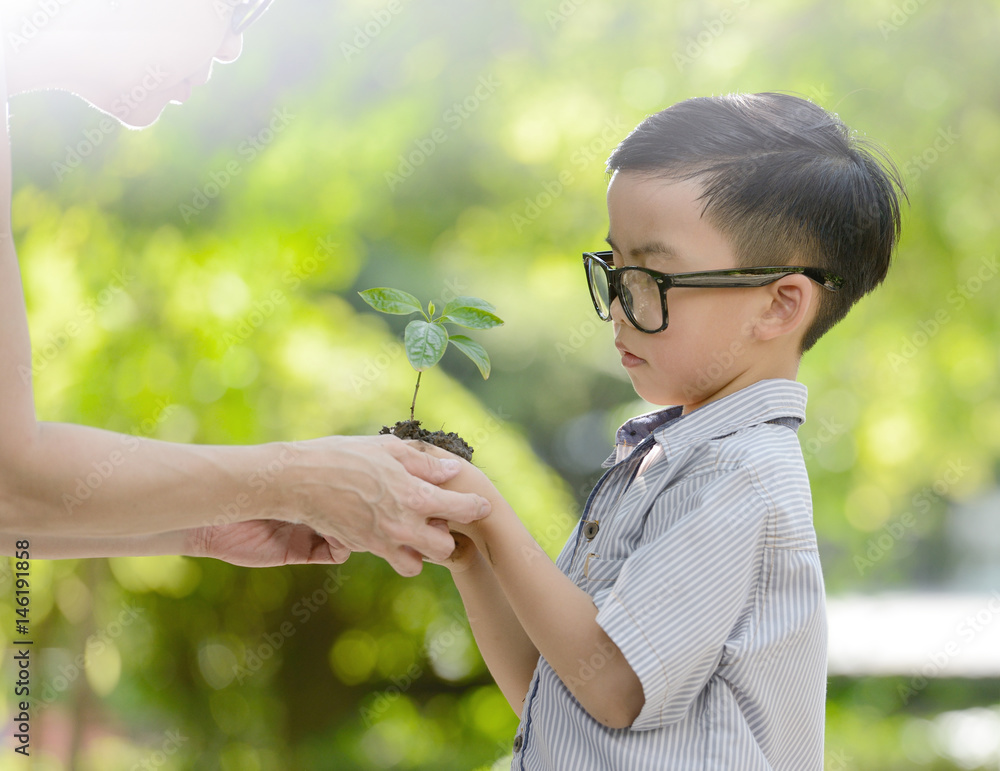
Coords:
426,339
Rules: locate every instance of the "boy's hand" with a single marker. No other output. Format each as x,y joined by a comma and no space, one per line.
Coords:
463,557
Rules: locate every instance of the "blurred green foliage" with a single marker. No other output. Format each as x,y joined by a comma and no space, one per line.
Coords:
210,267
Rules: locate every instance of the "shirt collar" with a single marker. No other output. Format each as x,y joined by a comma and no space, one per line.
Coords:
779,401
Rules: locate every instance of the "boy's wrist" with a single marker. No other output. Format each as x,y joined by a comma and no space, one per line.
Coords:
498,533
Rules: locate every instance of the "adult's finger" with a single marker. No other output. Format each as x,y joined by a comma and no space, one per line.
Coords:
338,552
425,465
405,561
432,541
431,501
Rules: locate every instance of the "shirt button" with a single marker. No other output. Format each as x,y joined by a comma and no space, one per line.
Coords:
590,530
518,742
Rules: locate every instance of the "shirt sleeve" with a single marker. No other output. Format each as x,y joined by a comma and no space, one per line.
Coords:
677,598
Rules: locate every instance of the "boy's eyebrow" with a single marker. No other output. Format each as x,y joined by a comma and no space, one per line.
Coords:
652,247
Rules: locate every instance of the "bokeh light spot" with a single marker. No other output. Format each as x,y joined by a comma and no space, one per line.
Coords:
353,656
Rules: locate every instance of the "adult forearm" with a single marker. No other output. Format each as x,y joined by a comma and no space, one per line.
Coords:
55,547
365,493
509,653
78,481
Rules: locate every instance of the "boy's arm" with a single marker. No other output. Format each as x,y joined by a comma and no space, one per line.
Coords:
509,653
556,615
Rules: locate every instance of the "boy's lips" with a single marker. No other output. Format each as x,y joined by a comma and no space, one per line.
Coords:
629,359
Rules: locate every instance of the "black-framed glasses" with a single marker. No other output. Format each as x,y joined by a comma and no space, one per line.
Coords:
643,292
246,13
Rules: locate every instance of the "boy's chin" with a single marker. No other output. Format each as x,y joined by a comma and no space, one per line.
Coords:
659,396
670,395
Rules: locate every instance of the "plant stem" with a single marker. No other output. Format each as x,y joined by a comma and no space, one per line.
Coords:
414,402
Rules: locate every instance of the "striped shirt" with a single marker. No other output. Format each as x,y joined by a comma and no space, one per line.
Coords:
698,549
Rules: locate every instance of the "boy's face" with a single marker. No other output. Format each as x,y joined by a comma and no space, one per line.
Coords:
705,352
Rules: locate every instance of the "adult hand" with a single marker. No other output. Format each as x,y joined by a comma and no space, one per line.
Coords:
377,494
469,479
264,544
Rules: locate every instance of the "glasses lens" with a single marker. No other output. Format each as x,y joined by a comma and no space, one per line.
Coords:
599,290
641,299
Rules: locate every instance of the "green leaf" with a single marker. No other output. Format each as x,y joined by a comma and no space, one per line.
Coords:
474,351
473,318
468,302
425,343
389,300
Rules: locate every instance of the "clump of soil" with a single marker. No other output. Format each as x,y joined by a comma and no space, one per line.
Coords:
410,429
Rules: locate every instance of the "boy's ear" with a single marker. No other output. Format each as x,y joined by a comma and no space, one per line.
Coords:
787,309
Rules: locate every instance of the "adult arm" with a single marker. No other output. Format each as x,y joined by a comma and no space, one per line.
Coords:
85,484
558,617
258,543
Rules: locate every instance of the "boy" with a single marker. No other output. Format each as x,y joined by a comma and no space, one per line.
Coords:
683,625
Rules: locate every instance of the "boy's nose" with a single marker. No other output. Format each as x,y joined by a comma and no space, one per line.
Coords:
617,314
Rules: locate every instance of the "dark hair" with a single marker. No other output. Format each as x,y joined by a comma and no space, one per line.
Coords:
785,181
